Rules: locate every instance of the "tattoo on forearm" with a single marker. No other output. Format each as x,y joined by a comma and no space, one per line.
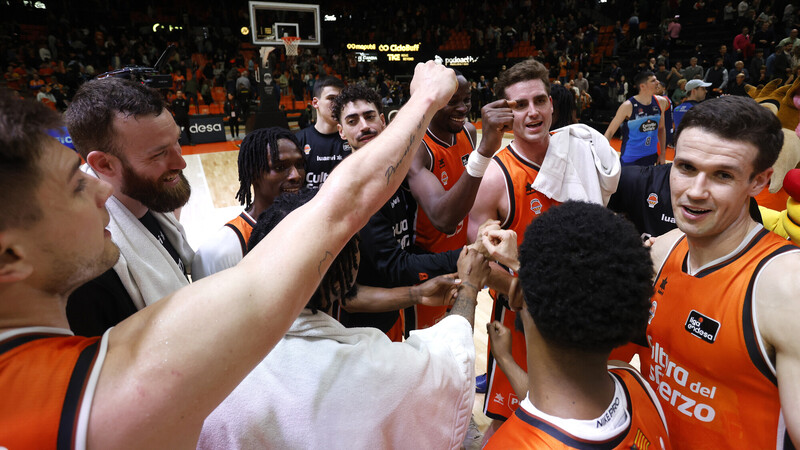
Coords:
465,305
393,168
322,262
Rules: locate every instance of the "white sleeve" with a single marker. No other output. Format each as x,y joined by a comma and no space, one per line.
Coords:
221,251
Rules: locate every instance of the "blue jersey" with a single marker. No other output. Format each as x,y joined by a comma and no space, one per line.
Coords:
640,131
680,110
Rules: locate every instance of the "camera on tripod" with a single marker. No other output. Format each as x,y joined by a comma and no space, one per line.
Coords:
150,76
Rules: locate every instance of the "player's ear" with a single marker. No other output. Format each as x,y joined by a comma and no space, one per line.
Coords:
383,120
14,266
760,181
341,131
104,163
315,102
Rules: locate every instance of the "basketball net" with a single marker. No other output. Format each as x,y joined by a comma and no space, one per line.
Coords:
290,43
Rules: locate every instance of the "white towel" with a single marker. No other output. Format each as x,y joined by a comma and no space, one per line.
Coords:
145,268
580,164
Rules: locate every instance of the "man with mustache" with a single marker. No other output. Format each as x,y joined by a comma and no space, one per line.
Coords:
387,259
125,133
271,162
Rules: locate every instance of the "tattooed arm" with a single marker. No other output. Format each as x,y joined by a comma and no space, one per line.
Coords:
177,359
473,270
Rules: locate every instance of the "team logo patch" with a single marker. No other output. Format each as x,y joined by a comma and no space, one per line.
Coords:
536,206
640,441
444,178
346,147
306,149
701,326
464,160
653,308
652,199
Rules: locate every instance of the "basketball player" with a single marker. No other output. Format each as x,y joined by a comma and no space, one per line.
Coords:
445,154
574,312
642,120
323,147
387,257
152,380
271,163
129,139
723,350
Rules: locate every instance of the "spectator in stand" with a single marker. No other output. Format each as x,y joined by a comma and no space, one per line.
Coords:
674,31
741,9
738,87
756,64
680,92
742,45
693,71
763,78
192,89
727,58
765,38
737,69
727,14
792,39
783,61
581,83
674,77
718,77
180,109
233,111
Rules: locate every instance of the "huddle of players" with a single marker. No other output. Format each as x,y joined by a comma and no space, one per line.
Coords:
710,188
571,320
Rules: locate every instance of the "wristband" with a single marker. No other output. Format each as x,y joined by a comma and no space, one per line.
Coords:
477,164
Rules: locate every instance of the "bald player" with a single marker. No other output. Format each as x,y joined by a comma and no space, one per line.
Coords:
151,380
445,175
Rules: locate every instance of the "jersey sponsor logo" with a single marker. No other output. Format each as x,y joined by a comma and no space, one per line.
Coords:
313,179
306,149
444,178
640,440
666,218
394,202
652,200
640,111
701,326
401,229
513,401
464,160
670,381
536,206
648,126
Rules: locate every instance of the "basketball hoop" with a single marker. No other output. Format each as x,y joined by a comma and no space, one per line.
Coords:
290,43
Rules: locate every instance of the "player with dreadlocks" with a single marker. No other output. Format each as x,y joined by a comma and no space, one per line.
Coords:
270,161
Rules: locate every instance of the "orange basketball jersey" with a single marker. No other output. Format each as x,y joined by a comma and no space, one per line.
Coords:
645,431
447,163
242,225
706,360
524,205
44,379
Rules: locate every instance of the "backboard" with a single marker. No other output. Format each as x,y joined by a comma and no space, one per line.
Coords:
270,21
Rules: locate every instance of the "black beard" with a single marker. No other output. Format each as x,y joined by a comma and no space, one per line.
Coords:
151,194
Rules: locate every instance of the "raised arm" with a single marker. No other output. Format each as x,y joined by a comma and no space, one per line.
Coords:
172,363
623,112
490,202
777,307
447,208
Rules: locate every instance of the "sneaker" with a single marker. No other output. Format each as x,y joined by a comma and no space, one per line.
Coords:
481,385
474,438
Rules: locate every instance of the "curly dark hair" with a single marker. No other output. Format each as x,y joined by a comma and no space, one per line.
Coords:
339,278
586,277
352,93
257,154
24,126
739,119
90,116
